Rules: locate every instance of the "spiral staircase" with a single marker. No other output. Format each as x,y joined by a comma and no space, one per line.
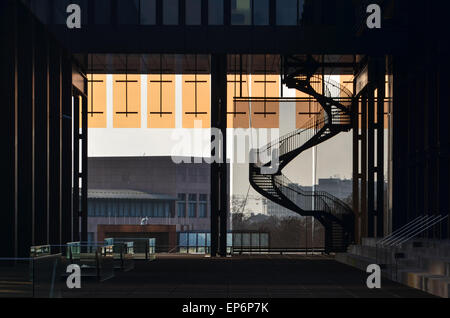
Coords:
333,118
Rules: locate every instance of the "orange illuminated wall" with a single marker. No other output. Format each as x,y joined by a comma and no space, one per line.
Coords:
265,114
237,112
196,91
96,101
161,101
126,101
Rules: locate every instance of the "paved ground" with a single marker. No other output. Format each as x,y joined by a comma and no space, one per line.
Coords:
241,276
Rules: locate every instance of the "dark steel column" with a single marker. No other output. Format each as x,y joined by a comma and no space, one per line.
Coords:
363,209
370,160
25,133
8,91
356,175
41,138
444,142
219,184
76,168
66,173
55,146
381,67
84,169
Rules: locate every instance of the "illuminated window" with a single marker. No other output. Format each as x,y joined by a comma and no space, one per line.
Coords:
307,107
96,101
237,111
196,100
265,112
161,101
126,101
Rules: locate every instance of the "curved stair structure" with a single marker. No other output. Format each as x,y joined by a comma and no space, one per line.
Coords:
334,117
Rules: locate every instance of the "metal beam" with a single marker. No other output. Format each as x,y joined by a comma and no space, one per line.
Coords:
8,91
84,168
25,113
381,67
219,174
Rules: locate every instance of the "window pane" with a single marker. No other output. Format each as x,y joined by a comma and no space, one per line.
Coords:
203,197
102,9
166,210
201,239
287,12
183,239
202,210
246,239
261,12
128,11
181,209
264,239
215,12
237,239
192,239
192,197
91,208
170,12
229,239
193,12
241,12
192,211
148,12
255,239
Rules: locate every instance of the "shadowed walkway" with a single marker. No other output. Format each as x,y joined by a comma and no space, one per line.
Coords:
241,276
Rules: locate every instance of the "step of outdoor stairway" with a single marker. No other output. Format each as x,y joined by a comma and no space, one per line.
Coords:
435,265
437,285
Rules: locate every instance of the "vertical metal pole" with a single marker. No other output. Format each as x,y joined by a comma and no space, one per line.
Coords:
84,167
8,91
363,208
25,133
380,146
356,174
219,182
76,168
370,160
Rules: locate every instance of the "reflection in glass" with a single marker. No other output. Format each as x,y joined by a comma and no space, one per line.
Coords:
148,12
215,12
193,12
128,11
287,12
264,239
255,239
237,239
246,239
241,12
170,12
261,12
